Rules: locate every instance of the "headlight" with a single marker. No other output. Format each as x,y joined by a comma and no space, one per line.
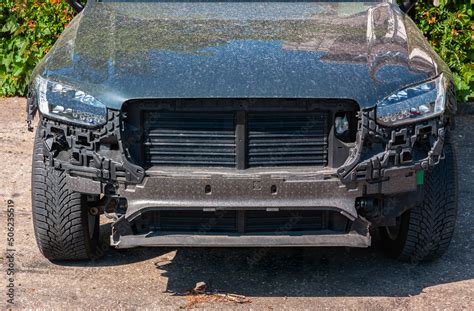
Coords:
413,104
60,101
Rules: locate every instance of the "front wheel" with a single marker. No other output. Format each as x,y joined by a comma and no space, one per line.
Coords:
65,227
424,232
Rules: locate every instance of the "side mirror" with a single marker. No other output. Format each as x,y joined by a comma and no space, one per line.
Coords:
76,5
407,5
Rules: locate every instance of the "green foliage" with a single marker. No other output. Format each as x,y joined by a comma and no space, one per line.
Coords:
28,29
450,30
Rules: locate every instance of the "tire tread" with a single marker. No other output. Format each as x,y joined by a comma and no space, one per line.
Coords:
431,224
59,216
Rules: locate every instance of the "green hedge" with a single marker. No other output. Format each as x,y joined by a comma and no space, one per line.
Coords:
28,28
450,30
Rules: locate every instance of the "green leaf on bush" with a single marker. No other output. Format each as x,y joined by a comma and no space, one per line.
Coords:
23,22
452,38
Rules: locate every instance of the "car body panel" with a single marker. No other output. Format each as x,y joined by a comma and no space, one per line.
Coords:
122,51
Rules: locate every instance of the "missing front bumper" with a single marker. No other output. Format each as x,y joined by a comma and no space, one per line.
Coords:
383,162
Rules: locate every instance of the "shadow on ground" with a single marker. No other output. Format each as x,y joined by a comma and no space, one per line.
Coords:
319,271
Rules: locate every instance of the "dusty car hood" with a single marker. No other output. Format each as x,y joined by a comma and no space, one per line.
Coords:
122,51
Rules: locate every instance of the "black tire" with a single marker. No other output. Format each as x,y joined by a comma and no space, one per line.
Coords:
64,227
424,232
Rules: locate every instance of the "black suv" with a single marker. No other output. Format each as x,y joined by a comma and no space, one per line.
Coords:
243,124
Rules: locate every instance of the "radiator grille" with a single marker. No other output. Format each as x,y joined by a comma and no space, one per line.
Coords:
287,139
292,221
216,139
189,139
197,221
248,221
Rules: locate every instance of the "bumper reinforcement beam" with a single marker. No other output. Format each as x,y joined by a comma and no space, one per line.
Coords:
357,236
234,240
